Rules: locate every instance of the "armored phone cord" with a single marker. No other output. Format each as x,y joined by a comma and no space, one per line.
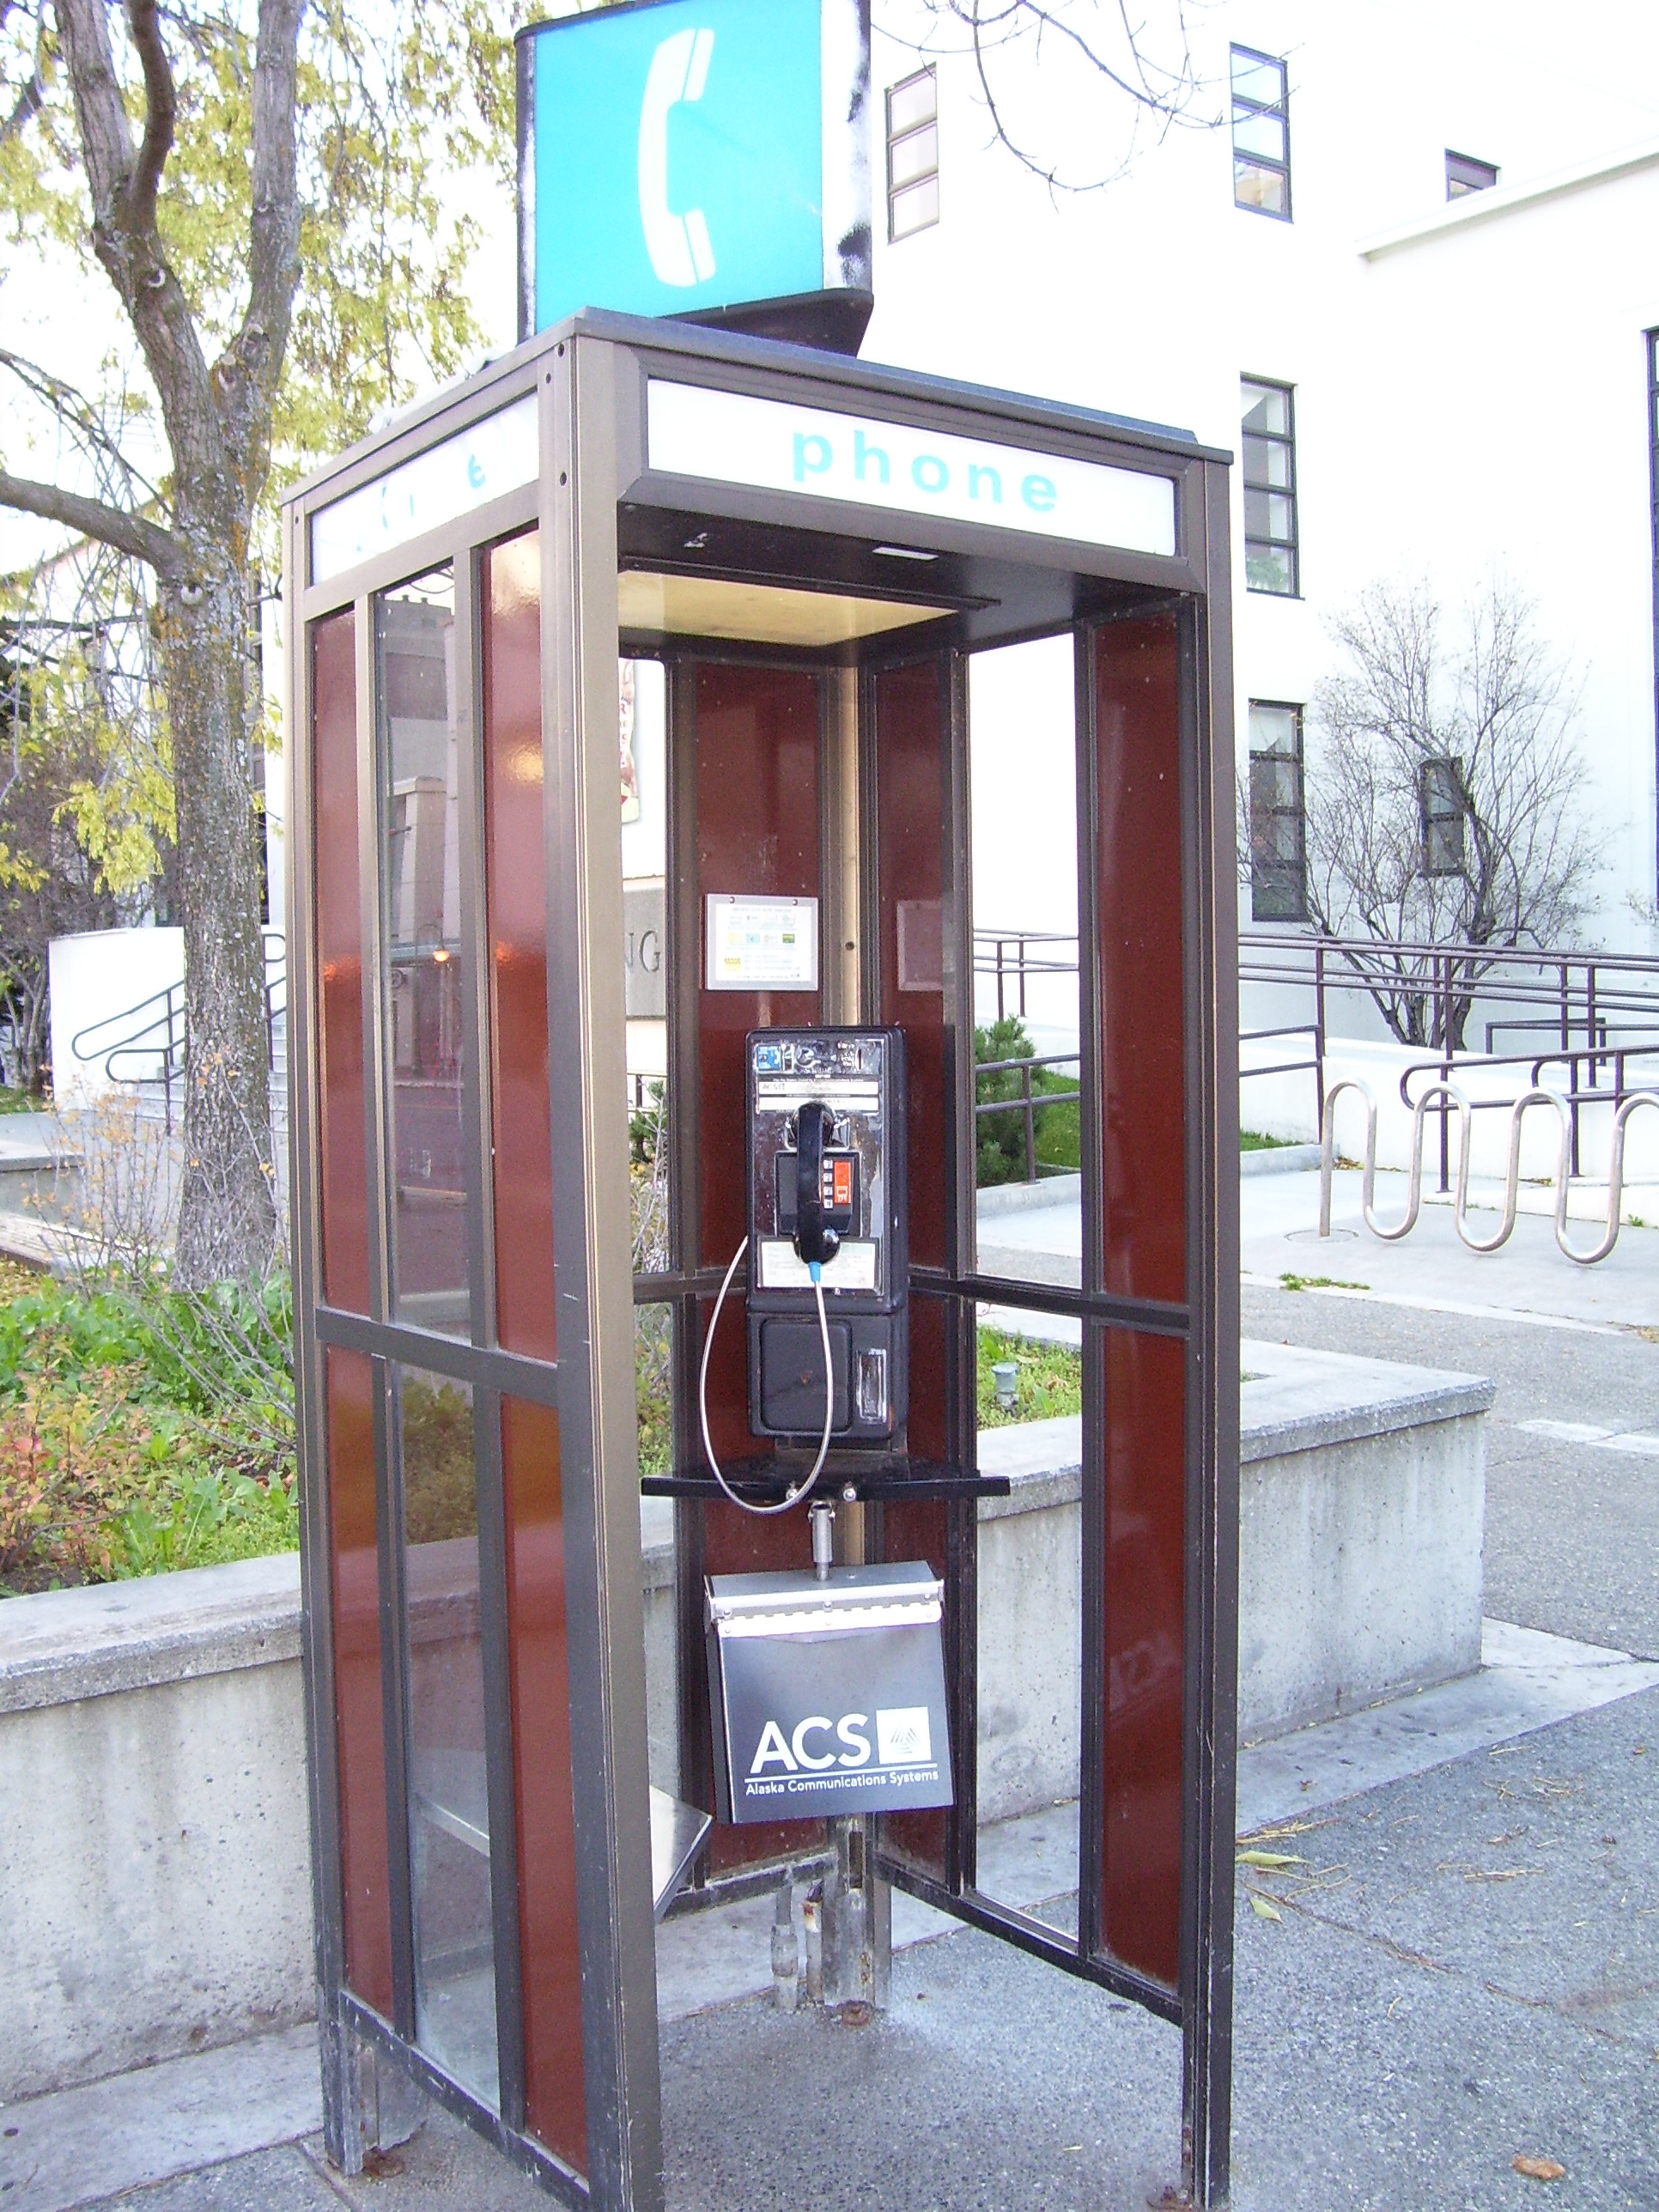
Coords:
798,1492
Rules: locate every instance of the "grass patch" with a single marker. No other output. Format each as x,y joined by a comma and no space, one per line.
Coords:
1288,1282
1252,1141
13,1101
141,1430
1050,1381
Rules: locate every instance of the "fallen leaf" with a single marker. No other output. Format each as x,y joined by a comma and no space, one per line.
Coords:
1271,1859
1264,1908
1538,2169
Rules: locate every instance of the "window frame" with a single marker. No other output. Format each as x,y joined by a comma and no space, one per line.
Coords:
896,139
1459,187
1297,812
1242,108
1440,779
1289,489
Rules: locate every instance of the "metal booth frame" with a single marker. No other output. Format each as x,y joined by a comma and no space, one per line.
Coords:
588,484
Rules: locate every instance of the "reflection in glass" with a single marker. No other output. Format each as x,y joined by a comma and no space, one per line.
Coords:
420,829
1023,766
1030,1654
448,1799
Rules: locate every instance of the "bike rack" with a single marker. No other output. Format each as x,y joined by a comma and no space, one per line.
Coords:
1511,1183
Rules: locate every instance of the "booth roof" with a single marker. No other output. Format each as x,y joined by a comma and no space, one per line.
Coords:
696,342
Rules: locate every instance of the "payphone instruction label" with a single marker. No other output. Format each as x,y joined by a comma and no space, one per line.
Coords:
762,944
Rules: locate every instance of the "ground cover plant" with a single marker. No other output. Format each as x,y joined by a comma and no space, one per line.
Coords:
142,1429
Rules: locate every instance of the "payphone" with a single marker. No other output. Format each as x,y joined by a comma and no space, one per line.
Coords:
827,1262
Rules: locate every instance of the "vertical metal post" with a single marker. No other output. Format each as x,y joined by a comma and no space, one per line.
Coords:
593,1281
1319,1037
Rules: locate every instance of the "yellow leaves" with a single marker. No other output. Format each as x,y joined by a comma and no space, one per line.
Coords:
1270,1859
1538,2169
1263,1907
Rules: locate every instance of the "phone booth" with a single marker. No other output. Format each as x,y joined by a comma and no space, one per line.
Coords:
666,1104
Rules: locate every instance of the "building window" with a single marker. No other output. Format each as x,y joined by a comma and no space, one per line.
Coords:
1464,174
1440,795
913,154
1278,863
1271,563
1261,134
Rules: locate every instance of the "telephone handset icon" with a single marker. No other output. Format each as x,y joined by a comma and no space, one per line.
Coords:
678,244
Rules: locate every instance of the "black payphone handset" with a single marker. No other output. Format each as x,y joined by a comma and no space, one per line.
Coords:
829,1270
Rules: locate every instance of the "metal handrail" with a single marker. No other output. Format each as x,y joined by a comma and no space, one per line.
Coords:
1028,1102
1518,1109
164,1037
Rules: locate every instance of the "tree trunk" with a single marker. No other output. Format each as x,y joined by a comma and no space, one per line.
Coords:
228,1221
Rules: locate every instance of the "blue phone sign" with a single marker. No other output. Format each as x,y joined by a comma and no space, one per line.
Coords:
675,157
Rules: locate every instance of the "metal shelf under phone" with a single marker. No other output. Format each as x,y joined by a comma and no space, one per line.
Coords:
763,1480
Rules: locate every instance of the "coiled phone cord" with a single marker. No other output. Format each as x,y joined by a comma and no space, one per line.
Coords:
801,1489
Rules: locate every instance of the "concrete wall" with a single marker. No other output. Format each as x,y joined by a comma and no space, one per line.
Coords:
1362,1512
154,1882
154,1849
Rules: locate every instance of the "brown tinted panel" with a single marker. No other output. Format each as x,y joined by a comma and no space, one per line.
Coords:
1144,1597
359,1715
757,833
517,894
339,962
543,1780
913,828
757,753
1138,728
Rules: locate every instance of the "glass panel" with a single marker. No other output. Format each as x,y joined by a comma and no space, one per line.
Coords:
516,894
1267,409
914,208
914,156
1269,568
339,963
1254,77
1140,867
654,1384
919,1528
358,1712
1267,463
1254,186
421,863
1030,1386
1273,729
916,100
642,689
1023,769
1263,135
1140,1667
538,1661
448,1799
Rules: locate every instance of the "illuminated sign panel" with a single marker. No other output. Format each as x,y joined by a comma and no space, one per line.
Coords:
726,437
686,156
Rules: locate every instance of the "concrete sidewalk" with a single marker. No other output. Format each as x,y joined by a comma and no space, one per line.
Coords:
1017,2084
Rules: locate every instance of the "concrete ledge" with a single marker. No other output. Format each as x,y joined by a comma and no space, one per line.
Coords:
1299,1400
1278,1159
1026,1197
64,1644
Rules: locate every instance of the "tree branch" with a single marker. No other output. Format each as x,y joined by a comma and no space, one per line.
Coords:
274,219
80,416
128,533
161,112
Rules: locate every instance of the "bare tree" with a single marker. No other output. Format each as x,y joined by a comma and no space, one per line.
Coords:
1140,61
1444,800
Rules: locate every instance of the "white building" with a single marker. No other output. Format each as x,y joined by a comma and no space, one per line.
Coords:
1469,380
